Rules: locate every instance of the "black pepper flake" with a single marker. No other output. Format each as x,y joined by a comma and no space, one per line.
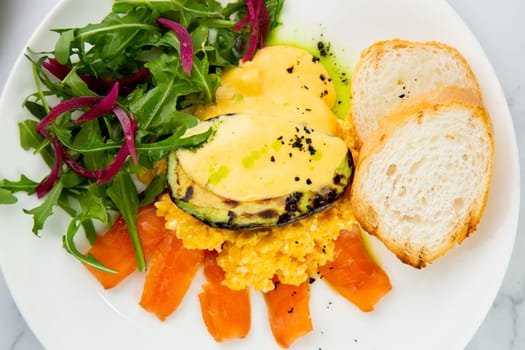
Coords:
291,310
322,77
294,293
308,141
290,154
297,178
315,59
308,109
290,69
272,159
297,142
321,48
402,96
311,280
305,87
309,182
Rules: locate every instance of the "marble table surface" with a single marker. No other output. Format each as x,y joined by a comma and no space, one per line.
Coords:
500,28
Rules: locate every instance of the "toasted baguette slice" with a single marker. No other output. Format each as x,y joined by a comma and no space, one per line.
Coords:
423,176
389,72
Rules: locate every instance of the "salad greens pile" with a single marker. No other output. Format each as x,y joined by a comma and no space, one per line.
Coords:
141,63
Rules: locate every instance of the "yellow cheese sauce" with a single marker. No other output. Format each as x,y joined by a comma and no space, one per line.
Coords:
255,157
283,82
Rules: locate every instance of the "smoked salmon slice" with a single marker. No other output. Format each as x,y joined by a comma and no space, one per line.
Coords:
353,273
115,250
170,274
226,312
289,312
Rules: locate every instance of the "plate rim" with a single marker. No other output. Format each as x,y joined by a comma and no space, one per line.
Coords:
515,161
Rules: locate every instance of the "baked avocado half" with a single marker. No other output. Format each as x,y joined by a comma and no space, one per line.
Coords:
257,171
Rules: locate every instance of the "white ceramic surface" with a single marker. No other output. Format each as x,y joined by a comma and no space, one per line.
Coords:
47,289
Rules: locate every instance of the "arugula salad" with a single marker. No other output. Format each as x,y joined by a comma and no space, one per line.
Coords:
112,99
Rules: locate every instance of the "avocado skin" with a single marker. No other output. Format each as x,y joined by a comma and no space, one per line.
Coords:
225,213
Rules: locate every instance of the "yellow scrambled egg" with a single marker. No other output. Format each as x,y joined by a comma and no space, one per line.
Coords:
252,257
290,83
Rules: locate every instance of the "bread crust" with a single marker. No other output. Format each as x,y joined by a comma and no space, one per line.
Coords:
366,214
374,53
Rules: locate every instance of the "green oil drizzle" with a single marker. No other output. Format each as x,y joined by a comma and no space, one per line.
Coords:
218,174
250,159
318,155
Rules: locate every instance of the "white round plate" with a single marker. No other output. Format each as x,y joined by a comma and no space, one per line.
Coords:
439,307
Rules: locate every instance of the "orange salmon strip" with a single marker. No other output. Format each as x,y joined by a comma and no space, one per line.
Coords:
289,312
226,312
170,274
353,273
115,250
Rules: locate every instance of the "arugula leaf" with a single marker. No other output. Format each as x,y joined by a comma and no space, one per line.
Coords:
182,11
31,139
274,10
6,197
208,83
123,193
160,149
76,85
65,205
93,205
116,42
156,110
35,109
44,210
63,45
69,245
155,188
25,184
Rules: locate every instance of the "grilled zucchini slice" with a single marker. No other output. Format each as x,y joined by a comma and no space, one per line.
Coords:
258,171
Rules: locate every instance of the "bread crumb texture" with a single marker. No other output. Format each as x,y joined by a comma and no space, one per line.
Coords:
390,72
423,183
